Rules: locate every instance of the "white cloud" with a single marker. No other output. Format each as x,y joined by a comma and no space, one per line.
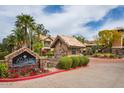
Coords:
68,22
111,24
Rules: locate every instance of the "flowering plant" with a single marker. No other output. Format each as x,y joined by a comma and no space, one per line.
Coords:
12,71
32,73
16,75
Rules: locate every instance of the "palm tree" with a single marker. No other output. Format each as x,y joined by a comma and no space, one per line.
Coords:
26,24
9,43
19,37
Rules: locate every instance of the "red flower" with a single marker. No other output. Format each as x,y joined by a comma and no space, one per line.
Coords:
32,73
23,70
30,68
15,75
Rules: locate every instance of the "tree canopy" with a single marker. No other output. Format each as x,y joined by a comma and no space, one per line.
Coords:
106,37
26,33
80,38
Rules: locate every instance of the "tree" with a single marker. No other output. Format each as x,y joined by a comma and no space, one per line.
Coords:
40,29
26,24
19,37
37,47
79,37
9,43
106,37
26,33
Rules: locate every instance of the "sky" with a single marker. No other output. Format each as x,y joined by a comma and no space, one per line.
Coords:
65,20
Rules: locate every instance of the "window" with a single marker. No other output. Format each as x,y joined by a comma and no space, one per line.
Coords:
73,50
47,43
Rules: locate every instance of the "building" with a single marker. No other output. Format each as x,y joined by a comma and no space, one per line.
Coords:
47,40
118,45
66,45
90,47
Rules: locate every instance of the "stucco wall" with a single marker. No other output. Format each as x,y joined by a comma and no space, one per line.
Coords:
117,43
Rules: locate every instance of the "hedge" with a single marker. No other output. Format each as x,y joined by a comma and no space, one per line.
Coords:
3,70
75,61
65,63
72,62
84,60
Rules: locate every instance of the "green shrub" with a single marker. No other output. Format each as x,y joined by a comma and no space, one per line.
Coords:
3,70
106,55
65,63
119,56
75,61
50,54
50,65
84,60
81,60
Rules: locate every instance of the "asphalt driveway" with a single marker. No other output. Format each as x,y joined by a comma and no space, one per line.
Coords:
96,75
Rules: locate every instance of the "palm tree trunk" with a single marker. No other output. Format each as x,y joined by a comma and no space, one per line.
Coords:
25,41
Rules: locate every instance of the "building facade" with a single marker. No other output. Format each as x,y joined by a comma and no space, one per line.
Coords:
47,41
66,45
118,44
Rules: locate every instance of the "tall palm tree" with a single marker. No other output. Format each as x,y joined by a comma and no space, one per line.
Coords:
26,23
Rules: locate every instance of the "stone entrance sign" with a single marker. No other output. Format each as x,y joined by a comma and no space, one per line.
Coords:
22,57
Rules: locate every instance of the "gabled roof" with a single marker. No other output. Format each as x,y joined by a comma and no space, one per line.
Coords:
20,51
68,40
46,37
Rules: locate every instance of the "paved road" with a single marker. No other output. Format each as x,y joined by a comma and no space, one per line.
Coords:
97,74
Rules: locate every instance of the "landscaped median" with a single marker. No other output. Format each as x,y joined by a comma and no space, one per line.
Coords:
66,63
29,77
36,76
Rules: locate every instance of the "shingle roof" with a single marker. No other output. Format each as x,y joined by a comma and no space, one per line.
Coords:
69,41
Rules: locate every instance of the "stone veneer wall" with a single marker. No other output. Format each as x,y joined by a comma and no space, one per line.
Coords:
9,58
